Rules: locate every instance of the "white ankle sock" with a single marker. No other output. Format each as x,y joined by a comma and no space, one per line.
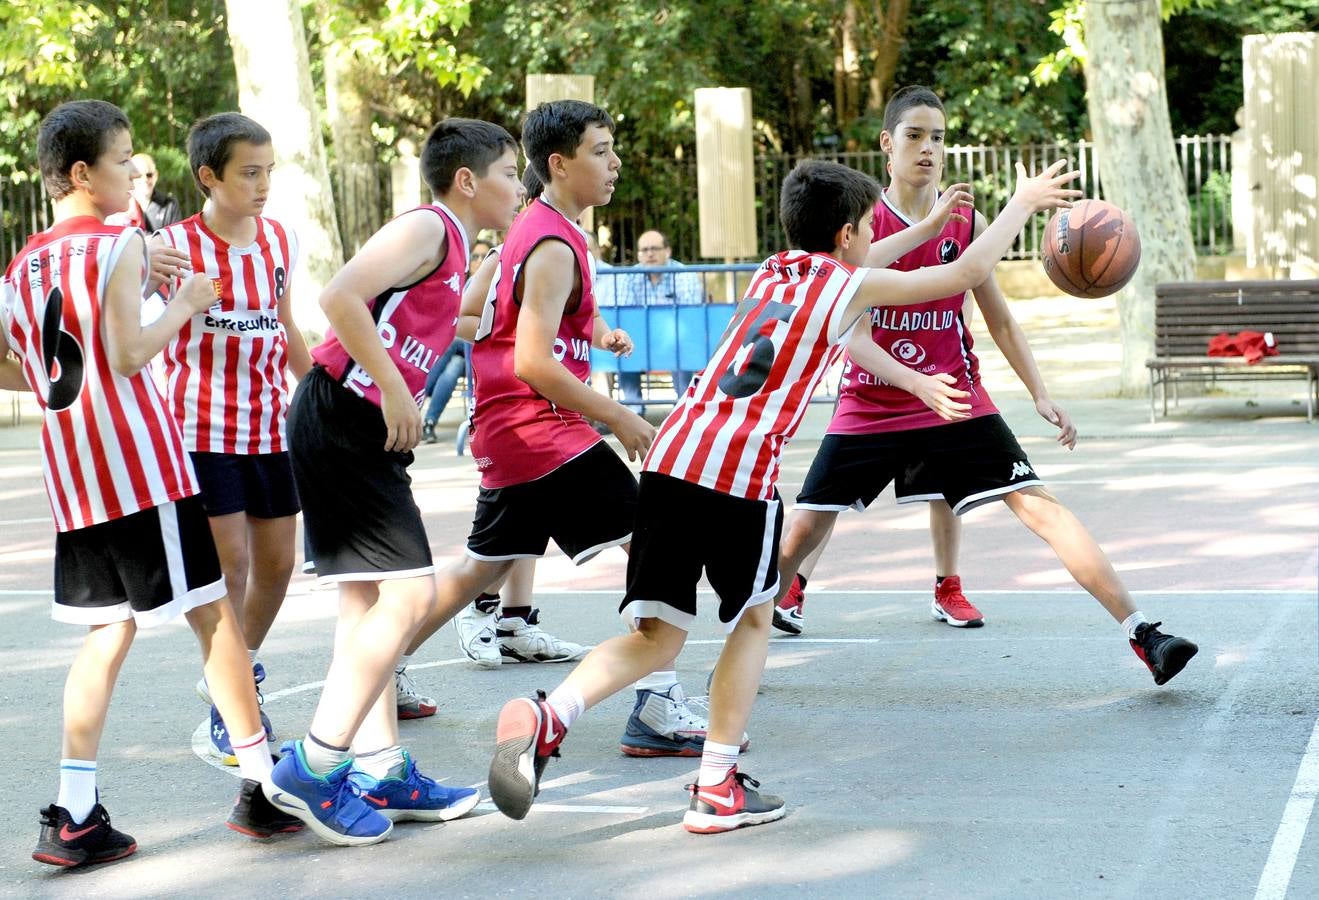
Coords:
716,760
402,663
657,681
567,704
381,763
251,655
322,758
1131,622
77,787
253,755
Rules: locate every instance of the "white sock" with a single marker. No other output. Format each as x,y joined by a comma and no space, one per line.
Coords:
567,704
1130,623
253,756
251,655
381,763
716,761
77,787
657,681
403,662
321,757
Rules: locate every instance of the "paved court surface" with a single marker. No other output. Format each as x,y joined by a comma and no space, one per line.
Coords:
1031,758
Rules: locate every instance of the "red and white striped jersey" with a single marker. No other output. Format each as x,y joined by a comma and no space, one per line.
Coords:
727,432
225,371
110,447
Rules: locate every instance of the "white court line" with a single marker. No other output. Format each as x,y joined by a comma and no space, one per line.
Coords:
1277,874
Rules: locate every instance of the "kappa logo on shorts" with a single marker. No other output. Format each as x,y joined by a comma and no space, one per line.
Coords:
909,352
1021,470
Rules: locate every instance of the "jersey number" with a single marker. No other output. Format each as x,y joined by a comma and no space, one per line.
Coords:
61,355
755,371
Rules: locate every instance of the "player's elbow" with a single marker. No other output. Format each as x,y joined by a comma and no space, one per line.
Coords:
126,362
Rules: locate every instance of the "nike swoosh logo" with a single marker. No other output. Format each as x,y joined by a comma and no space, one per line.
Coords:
725,802
376,800
550,735
67,835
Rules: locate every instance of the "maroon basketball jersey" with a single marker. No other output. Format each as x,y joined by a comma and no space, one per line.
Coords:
929,337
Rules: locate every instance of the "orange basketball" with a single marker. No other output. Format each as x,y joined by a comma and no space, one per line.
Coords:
1092,249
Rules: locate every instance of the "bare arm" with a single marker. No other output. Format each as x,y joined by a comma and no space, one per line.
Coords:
129,344
615,340
938,392
299,355
404,250
952,204
1012,343
885,287
547,279
476,295
11,370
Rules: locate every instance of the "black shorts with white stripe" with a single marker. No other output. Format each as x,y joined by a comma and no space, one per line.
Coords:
683,528
967,463
151,566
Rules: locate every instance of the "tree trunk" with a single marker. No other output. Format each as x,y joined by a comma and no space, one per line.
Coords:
1127,97
890,30
354,147
275,89
847,69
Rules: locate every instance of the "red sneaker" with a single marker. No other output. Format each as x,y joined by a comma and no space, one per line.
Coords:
951,606
527,734
788,615
730,804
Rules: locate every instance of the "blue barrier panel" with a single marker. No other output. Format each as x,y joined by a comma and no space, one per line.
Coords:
666,337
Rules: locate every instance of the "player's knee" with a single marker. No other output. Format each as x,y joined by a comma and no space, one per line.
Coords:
757,618
1037,508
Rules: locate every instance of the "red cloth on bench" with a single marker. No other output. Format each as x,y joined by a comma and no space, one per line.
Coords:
1253,345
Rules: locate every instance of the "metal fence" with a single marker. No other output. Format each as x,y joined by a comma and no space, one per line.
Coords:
363,197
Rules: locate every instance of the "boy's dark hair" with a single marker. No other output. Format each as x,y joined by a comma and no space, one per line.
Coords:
819,198
461,144
532,184
905,98
557,127
211,142
77,131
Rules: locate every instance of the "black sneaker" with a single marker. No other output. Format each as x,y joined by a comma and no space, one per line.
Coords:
428,433
64,842
733,803
1164,654
255,816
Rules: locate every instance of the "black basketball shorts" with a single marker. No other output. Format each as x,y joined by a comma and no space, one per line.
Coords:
683,528
586,505
150,566
259,484
359,518
966,463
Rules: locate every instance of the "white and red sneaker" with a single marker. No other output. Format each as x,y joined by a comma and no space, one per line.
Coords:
950,605
733,803
789,614
527,734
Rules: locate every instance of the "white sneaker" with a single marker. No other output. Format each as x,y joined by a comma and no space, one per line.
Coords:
697,711
476,636
410,704
522,640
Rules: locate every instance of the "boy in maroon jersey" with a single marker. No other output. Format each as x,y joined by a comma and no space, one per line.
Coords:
708,499
133,549
883,431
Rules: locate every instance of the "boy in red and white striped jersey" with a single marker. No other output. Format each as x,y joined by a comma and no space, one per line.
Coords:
132,547
225,373
708,497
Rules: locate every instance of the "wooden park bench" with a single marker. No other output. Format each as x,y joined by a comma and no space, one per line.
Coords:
1188,314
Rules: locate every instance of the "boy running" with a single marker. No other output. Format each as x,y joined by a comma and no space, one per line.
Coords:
352,426
882,433
132,548
226,384
708,498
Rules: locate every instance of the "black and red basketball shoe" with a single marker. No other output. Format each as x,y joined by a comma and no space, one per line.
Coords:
64,842
731,804
1164,654
789,614
527,734
950,605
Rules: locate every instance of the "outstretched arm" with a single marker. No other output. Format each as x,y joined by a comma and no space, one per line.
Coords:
954,203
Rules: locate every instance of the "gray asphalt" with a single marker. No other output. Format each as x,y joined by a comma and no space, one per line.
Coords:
1031,758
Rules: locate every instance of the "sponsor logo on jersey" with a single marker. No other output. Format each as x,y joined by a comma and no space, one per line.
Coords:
908,351
949,250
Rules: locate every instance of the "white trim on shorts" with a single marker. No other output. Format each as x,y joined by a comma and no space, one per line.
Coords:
831,507
637,610
122,612
971,501
507,558
375,576
591,552
921,498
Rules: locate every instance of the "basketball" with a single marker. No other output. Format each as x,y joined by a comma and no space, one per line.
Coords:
1092,249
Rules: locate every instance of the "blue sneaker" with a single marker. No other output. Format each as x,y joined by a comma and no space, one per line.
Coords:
329,803
221,748
414,797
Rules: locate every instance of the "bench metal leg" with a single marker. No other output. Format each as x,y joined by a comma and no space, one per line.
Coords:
1152,380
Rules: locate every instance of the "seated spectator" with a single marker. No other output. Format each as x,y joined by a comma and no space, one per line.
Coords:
656,289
